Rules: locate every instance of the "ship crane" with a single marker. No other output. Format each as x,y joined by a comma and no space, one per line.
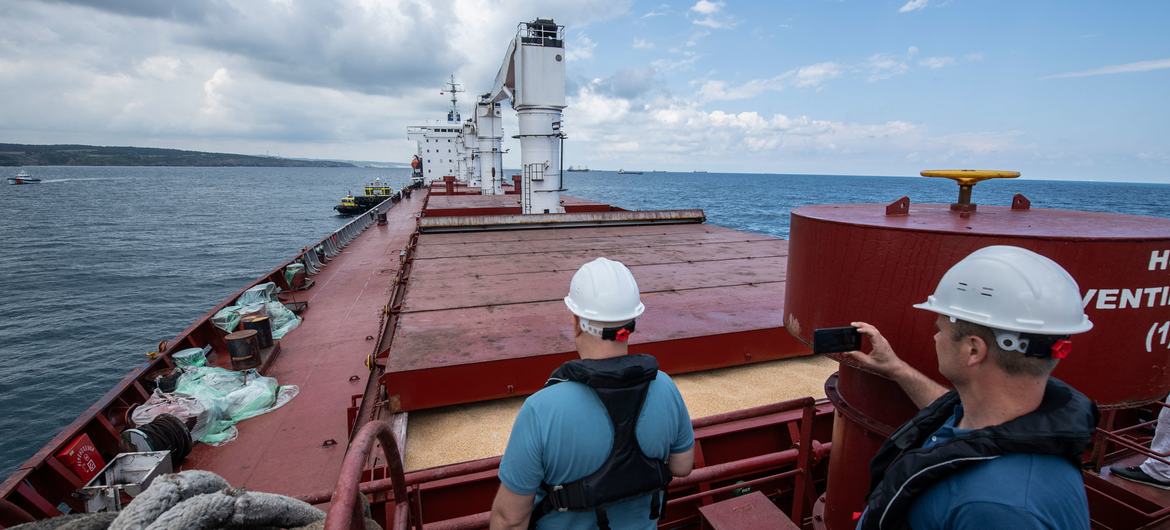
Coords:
489,132
533,77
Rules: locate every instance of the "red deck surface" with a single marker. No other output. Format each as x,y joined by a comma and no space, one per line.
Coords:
441,205
483,315
283,451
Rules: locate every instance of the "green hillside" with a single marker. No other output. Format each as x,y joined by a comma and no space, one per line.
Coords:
91,155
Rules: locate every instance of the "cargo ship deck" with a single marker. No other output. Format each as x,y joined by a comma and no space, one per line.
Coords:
297,449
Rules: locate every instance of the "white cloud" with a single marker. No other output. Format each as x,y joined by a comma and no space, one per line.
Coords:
912,51
580,48
160,67
684,61
706,7
974,56
213,97
913,5
592,108
881,66
711,15
810,76
714,23
696,37
935,63
815,74
643,44
1140,66
338,79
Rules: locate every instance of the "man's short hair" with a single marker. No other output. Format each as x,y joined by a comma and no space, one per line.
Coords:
1012,362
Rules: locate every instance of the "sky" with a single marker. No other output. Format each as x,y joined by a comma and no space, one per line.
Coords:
1072,90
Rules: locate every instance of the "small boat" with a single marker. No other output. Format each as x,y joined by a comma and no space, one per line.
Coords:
374,193
350,206
23,178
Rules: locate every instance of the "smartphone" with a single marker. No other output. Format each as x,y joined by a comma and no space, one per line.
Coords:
836,340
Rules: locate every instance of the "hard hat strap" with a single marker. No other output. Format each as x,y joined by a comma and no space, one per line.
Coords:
1034,345
617,333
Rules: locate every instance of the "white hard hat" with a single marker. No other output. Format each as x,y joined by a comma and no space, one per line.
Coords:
1011,289
605,291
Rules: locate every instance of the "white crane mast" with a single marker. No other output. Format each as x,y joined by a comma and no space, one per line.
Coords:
489,129
533,77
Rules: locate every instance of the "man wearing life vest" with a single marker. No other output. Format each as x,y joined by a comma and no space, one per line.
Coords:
596,447
1001,450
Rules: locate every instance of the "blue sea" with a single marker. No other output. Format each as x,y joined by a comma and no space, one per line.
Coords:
97,264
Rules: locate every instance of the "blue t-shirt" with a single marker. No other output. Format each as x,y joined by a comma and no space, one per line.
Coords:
1018,491
563,433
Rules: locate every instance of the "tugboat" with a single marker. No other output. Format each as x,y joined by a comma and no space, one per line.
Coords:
375,192
349,206
23,178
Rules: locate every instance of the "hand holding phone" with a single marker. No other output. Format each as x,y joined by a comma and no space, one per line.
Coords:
836,340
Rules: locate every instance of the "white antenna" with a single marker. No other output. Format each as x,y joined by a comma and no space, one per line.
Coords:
453,88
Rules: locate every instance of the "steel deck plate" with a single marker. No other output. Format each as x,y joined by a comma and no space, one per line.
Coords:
483,315
285,451
440,205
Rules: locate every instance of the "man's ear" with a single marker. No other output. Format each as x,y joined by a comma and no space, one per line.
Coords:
576,325
975,350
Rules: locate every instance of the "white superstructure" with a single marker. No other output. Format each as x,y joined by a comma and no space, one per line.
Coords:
441,146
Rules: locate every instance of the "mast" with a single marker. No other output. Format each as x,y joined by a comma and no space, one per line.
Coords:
453,88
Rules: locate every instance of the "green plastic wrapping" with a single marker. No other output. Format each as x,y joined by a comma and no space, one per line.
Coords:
189,357
283,319
291,270
232,397
227,318
260,294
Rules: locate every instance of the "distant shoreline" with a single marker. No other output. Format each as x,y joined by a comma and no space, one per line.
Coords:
92,155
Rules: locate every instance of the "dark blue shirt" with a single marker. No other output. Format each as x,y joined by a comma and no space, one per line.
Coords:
1019,491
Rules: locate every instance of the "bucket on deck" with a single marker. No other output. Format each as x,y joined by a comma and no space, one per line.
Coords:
263,327
382,218
244,349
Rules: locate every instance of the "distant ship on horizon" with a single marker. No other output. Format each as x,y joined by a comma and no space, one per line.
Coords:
578,169
625,172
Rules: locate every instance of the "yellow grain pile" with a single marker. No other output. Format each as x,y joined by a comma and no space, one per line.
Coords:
467,432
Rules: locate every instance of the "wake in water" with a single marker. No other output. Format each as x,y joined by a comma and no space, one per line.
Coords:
53,181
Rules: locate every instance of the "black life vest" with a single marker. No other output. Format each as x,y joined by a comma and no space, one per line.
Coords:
1062,425
621,383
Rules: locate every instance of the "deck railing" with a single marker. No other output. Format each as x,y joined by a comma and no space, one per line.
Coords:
43,487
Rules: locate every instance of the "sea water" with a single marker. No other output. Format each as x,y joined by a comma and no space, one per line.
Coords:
98,264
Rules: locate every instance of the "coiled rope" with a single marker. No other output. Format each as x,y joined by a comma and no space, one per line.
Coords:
197,500
167,432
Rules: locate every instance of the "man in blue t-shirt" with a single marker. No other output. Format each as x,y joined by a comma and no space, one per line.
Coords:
564,433
1002,449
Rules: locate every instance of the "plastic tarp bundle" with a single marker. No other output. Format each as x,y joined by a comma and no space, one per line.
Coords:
227,318
261,298
218,399
283,319
190,357
260,294
291,270
180,406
